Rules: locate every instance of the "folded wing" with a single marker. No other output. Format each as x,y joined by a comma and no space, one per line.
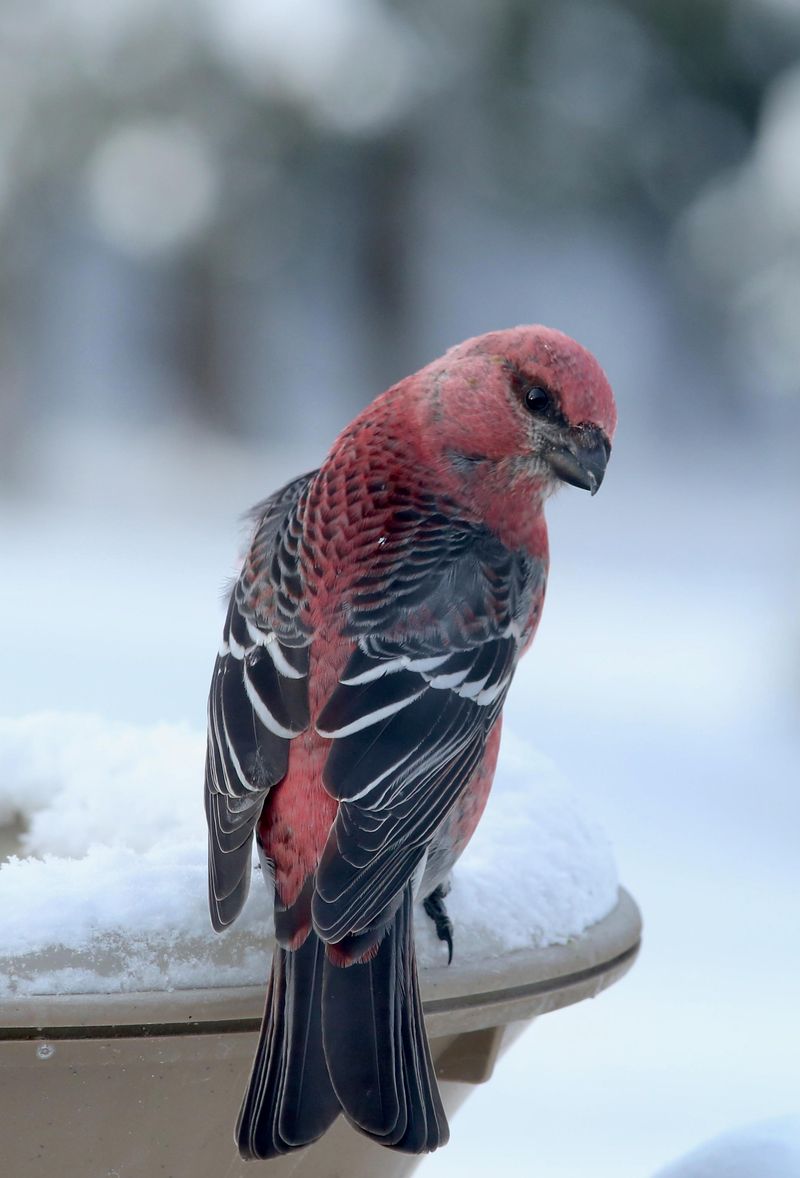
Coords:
258,699
439,631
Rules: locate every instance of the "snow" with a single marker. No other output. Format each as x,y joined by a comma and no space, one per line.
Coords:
767,1150
111,893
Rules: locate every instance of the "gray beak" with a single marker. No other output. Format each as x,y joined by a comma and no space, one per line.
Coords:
583,459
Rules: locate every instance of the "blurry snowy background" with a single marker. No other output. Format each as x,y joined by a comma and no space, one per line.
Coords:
226,224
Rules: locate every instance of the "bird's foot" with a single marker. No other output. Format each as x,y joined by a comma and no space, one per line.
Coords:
434,906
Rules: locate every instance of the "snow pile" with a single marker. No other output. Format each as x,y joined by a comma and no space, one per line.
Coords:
767,1150
112,893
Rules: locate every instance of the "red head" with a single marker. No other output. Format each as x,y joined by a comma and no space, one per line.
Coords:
529,399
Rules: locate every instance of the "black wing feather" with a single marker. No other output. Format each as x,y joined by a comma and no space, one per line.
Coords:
258,698
437,646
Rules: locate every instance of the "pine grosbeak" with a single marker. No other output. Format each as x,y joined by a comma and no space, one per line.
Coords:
355,710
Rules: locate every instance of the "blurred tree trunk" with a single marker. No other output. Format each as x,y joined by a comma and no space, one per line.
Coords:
388,185
197,341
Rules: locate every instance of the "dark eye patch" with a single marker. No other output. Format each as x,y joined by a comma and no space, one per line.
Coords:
535,396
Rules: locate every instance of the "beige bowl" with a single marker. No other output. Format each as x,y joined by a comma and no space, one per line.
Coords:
147,1085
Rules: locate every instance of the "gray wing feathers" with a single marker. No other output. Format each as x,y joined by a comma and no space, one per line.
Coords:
410,718
258,700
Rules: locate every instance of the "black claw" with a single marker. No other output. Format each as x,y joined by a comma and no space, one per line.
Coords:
434,906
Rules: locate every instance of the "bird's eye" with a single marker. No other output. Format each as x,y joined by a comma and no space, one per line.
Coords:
537,399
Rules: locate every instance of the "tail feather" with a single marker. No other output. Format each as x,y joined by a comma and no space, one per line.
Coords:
376,1046
309,1105
428,1128
361,1033
289,1100
343,1038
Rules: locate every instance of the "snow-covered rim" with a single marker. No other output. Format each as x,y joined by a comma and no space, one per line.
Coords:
519,985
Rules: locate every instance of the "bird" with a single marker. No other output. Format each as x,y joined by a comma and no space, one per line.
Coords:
355,711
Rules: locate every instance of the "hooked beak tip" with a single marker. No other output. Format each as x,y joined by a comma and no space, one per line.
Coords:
582,462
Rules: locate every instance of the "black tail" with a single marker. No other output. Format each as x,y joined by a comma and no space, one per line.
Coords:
343,1039
376,1047
289,1100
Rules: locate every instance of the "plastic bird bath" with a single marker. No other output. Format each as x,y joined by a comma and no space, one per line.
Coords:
141,1085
